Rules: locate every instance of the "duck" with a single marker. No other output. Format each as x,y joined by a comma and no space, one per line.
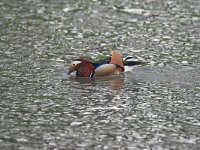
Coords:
114,65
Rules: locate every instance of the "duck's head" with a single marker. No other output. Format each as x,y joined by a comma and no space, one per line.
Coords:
73,66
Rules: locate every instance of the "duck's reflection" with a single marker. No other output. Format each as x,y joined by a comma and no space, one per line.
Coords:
115,82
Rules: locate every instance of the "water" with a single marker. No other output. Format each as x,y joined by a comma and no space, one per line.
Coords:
155,106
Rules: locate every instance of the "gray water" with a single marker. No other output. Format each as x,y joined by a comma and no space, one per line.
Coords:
155,106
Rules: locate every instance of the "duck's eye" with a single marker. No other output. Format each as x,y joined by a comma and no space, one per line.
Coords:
73,64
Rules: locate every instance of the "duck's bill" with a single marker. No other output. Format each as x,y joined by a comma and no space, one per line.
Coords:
69,71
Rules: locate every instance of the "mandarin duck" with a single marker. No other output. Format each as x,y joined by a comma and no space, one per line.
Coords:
115,65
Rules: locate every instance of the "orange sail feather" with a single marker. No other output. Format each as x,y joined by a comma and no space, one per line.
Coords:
117,59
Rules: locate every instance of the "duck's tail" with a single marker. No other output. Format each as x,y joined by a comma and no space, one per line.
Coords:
128,62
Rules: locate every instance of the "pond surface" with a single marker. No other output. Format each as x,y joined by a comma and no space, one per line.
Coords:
154,106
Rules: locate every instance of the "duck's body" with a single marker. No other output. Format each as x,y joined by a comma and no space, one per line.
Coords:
86,68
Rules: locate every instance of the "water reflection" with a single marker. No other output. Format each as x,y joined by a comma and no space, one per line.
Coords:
115,82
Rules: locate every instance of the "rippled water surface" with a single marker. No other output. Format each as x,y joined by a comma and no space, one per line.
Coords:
155,106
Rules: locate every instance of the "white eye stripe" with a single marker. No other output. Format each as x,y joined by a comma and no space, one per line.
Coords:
76,62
